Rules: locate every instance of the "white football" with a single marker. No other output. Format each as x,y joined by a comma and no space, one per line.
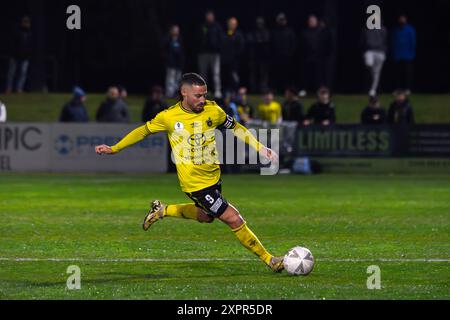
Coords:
298,261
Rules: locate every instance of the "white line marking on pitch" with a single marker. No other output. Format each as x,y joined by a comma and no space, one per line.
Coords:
204,260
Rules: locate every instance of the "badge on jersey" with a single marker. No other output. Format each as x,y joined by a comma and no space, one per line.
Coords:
178,126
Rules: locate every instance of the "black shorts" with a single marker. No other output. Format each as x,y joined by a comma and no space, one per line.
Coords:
210,200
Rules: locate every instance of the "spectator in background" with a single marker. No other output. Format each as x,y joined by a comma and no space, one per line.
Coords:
269,110
404,52
374,46
230,107
292,108
232,49
210,45
312,55
258,41
113,109
245,109
123,93
20,56
2,112
283,45
322,112
75,110
154,104
174,58
400,111
328,52
373,113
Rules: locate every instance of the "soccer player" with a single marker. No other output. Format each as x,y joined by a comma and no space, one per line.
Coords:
190,125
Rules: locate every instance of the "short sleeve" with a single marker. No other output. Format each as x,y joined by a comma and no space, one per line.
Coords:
157,124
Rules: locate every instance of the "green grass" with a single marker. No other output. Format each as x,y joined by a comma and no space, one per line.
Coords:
36,107
361,217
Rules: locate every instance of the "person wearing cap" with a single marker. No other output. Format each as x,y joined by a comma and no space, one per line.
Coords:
373,113
283,45
75,110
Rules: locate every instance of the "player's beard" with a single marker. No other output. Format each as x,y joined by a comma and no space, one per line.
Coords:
199,108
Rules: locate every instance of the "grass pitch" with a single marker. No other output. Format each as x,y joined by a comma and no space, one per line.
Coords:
349,222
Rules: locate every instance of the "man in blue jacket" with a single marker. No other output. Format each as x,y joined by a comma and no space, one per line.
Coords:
404,52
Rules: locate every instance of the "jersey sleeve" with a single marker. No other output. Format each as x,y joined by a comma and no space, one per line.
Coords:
243,134
228,122
157,124
131,138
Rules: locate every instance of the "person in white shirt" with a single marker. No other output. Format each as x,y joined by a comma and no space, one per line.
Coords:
2,112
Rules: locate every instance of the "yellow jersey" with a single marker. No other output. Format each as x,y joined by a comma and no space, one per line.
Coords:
192,139
270,112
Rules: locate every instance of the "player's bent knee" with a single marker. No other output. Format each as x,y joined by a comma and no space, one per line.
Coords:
204,218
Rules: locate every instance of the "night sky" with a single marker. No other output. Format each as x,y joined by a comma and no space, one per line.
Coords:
119,39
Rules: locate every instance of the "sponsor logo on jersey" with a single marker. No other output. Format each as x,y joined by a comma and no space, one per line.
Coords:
178,126
197,139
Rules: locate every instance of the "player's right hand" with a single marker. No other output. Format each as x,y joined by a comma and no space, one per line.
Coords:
101,149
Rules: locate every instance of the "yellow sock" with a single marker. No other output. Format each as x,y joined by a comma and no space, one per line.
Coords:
184,210
249,240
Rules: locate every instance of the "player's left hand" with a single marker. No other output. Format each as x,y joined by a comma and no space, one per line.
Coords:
103,149
269,154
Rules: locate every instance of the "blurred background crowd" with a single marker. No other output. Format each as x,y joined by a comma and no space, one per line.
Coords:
293,50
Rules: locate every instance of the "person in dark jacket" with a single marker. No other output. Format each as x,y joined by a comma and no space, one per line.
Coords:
20,56
232,49
292,108
328,53
174,58
373,113
210,45
154,104
323,111
312,55
75,110
258,43
404,52
400,111
283,45
374,47
113,109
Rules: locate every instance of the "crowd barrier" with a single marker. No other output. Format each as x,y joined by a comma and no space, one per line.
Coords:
57,147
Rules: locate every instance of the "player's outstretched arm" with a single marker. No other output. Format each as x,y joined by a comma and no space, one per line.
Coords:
133,137
269,154
245,135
